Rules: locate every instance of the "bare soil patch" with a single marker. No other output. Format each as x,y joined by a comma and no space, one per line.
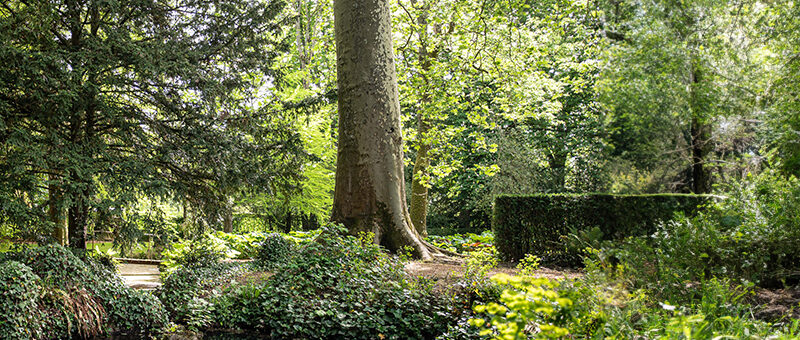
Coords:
775,304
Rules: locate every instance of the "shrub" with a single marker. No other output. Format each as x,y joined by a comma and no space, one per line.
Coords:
19,309
187,283
273,249
203,251
337,287
527,301
246,244
464,243
539,224
84,297
750,236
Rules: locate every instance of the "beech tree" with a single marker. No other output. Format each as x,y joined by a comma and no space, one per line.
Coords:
369,194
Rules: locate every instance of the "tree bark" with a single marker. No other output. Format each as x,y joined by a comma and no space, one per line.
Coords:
287,222
78,217
419,189
369,194
227,220
56,214
227,215
701,134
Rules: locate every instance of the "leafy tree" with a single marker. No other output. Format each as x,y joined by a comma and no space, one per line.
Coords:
680,76
102,101
783,29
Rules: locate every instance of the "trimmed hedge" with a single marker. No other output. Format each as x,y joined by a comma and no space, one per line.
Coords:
537,224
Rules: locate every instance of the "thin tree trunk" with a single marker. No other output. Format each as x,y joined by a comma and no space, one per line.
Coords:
227,220
56,214
369,194
701,134
287,225
78,217
227,215
419,189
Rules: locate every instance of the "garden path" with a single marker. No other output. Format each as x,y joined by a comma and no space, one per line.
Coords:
447,273
140,276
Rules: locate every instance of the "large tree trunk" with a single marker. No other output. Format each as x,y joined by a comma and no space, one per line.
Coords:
369,195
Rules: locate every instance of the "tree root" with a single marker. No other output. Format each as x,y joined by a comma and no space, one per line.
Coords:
443,255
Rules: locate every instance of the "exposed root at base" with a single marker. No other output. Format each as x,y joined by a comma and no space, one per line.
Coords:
443,255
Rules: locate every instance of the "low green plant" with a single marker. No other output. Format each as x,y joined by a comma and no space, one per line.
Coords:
464,243
274,249
337,287
20,290
749,237
525,310
538,224
187,283
528,265
77,294
246,244
204,250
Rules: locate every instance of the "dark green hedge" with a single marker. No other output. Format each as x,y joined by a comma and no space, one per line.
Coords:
536,224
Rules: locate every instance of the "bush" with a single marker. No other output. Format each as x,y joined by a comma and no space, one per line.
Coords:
337,287
82,296
750,236
527,301
274,249
203,251
19,309
187,283
539,224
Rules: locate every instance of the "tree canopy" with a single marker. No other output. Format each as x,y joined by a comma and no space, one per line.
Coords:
105,101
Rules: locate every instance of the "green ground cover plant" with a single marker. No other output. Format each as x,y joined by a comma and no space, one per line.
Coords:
336,286
464,243
51,292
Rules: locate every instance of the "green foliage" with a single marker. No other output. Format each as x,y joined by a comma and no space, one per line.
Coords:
749,236
182,292
539,224
77,295
527,301
140,100
714,309
599,307
464,243
671,83
338,286
20,288
274,249
528,265
245,244
205,250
